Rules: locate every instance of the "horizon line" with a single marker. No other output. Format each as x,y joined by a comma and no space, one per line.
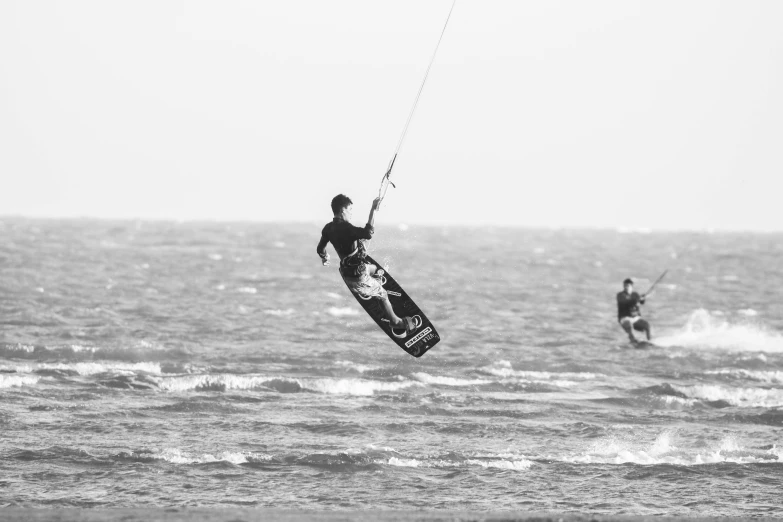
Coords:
403,226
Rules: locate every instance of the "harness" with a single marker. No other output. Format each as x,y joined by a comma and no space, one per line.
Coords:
353,265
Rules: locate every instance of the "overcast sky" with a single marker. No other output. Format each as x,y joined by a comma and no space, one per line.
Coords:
620,114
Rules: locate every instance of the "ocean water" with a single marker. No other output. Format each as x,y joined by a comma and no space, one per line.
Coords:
220,365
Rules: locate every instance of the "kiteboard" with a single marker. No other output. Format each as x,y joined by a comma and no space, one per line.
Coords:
417,342
641,345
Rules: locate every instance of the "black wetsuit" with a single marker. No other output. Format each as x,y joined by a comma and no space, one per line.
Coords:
628,305
344,237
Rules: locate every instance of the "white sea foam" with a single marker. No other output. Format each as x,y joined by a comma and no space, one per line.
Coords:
334,295
208,382
19,348
360,387
520,464
447,381
361,368
221,382
613,450
91,368
404,463
672,401
768,377
280,313
17,368
177,456
501,464
742,397
380,448
72,347
7,381
342,312
247,290
76,348
705,330
148,345
504,369
748,312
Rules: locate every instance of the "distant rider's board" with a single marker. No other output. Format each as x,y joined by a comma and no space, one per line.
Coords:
416,343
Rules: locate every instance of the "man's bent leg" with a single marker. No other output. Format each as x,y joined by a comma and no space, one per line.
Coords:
393,319
627,325
642,326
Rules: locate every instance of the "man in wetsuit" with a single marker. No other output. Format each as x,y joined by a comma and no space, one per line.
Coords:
363,278
628,314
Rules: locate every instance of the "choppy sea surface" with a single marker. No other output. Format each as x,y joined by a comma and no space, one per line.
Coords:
220,365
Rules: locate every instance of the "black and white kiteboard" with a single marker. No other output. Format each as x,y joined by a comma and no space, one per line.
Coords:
415,343
641,345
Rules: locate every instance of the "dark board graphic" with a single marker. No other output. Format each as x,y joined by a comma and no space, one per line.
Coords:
415,343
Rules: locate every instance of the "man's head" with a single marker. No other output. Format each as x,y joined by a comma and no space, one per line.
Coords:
628,285
342,206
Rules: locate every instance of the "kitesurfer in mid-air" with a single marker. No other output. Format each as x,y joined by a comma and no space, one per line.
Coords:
363,278
628,314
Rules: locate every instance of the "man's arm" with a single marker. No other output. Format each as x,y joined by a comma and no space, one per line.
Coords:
371,218
368,230
321,249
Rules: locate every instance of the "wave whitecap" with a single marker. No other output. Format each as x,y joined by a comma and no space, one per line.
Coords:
223,382
521,464
87,368
504,370
177,456
139,351
765,376
355,386
447,381
740,397
7,381
662,450
706,330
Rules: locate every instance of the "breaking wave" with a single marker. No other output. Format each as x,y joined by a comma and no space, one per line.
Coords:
329,460
663,450
711,394
177,456
740,397
7,381
447,381
504,369
84,368
765,376
706,330
138,351
224,382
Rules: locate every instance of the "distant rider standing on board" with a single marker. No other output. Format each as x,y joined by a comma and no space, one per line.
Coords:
362,277
628,314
